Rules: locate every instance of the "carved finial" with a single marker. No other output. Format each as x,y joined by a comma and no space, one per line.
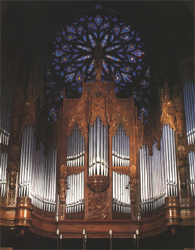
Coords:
98,56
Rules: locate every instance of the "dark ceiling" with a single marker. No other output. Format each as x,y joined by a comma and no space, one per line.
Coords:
167,29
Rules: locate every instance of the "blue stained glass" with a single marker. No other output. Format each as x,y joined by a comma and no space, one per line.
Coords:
92,41
127,69
146,100
79,77
122,56
121,50
148,91
126,77
83,58
69,78
80,29
73,84
144,84
48,73
82,19
75,23
80,89
58,53
126,37
75,55
101,33
69,69
79,64
56,60
98,19
112,68
138,53
114,19
126,29
47,91
112,38
75,50
84,38
113,58
58,38
105,66
51,84
84,48
130,47
63,32
64,59
90,18
117,41
138,98
138,38
70,29
140,46
144,111
104,42
70,37
91,25
62,73
112,48
65,47
131,59
147,73
106,18
139,67
57,67
53,113
84,68
79,41
57,46
91,66
133,33
123,84
105,25
116,89
95,34
116,30
98,7
117,77
116,64
140,59
134,73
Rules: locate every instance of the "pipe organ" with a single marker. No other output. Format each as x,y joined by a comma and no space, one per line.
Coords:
101,168
98,148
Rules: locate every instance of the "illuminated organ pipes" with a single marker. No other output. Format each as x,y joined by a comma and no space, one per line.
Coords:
189,105
120,148
98,148
121,193
191,157
5,113
3,169
75,193
75,149
37,178
158,175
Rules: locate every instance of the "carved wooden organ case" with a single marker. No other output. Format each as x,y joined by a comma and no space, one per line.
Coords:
103,167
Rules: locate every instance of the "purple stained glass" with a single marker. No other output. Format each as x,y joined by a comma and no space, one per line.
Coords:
58,38
57,67
113,58
147,73
65,58
117,77
111,37
138,38
51,83
91,66
95,34
105,66
144,84
83,58
131,58
53,113
98,19
127,69
112,48
138,53
84,48
69,69
139,67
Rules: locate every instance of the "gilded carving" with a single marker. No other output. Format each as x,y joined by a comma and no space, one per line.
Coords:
63,182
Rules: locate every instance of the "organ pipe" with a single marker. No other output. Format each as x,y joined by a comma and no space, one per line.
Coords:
120,149
75,148
5,113
158,176
189,106
191,157
3,170
98,148
121,193
37,178
75,194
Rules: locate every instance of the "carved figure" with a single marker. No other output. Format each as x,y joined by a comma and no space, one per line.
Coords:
98,56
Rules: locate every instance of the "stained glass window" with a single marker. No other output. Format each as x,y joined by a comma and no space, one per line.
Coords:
123,51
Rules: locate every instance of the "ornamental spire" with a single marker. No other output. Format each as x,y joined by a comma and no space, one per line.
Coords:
98,56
